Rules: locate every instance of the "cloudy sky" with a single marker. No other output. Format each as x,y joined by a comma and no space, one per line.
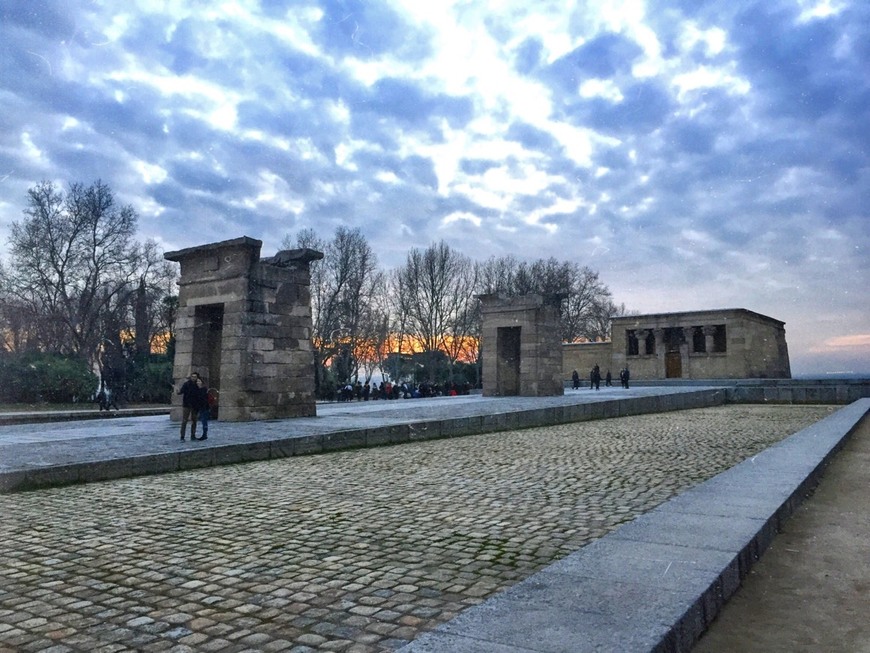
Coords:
698,154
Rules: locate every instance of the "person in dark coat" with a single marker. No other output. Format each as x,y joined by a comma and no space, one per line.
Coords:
188,392
575,380
596,378
202,409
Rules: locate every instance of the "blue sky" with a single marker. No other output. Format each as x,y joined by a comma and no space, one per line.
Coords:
697,154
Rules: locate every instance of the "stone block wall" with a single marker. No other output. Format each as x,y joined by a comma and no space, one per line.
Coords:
754,345
583,356
245,325
532,368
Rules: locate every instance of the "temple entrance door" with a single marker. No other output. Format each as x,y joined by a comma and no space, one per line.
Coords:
207,337
673,365
508,363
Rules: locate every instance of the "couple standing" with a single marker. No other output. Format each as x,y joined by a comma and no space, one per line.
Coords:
195,403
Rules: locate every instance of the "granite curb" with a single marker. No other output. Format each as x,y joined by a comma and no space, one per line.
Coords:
320,435
656,583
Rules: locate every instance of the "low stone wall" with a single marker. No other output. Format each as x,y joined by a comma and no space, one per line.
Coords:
795,391
778,391
583,356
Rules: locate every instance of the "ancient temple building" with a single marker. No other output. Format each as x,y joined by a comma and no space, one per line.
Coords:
244,324
717,344
522,351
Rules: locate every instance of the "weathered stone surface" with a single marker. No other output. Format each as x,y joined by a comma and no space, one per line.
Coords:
244,324
522,352
715,344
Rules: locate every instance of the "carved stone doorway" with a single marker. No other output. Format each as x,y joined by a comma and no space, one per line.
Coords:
673,365
508,365
207,345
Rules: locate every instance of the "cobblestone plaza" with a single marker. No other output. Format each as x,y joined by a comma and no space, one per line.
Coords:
353,551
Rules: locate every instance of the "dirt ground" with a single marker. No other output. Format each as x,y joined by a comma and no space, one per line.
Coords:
811,590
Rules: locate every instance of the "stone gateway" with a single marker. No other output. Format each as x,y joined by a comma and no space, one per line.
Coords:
522,350
244,324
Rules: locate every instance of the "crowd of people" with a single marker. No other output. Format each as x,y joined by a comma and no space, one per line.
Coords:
360,391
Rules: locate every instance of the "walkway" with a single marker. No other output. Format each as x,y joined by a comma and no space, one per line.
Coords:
40,455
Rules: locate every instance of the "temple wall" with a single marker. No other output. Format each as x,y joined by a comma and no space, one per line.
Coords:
716,344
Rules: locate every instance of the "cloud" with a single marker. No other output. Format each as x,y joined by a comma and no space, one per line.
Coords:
604,56
699,154
859,341
365,29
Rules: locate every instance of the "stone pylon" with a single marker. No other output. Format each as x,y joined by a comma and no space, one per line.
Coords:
244,324
521,346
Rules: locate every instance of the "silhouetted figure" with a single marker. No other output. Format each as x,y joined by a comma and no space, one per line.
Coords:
188,392
203,409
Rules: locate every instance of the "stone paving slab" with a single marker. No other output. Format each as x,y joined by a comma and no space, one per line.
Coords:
358,551
40,455
656,583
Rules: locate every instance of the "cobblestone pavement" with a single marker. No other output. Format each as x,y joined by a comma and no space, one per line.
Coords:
354,551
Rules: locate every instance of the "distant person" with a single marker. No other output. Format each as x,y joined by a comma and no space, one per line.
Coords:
608,379
596,377
188,392
575,380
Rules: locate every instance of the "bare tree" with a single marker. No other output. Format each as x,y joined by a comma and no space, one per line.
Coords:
309,238
436,290
580,308
155,281
13,326
343,284
376,335
598,329
73,258
580,288
497,273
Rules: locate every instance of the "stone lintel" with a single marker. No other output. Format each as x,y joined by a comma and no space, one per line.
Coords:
288,257
212,248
